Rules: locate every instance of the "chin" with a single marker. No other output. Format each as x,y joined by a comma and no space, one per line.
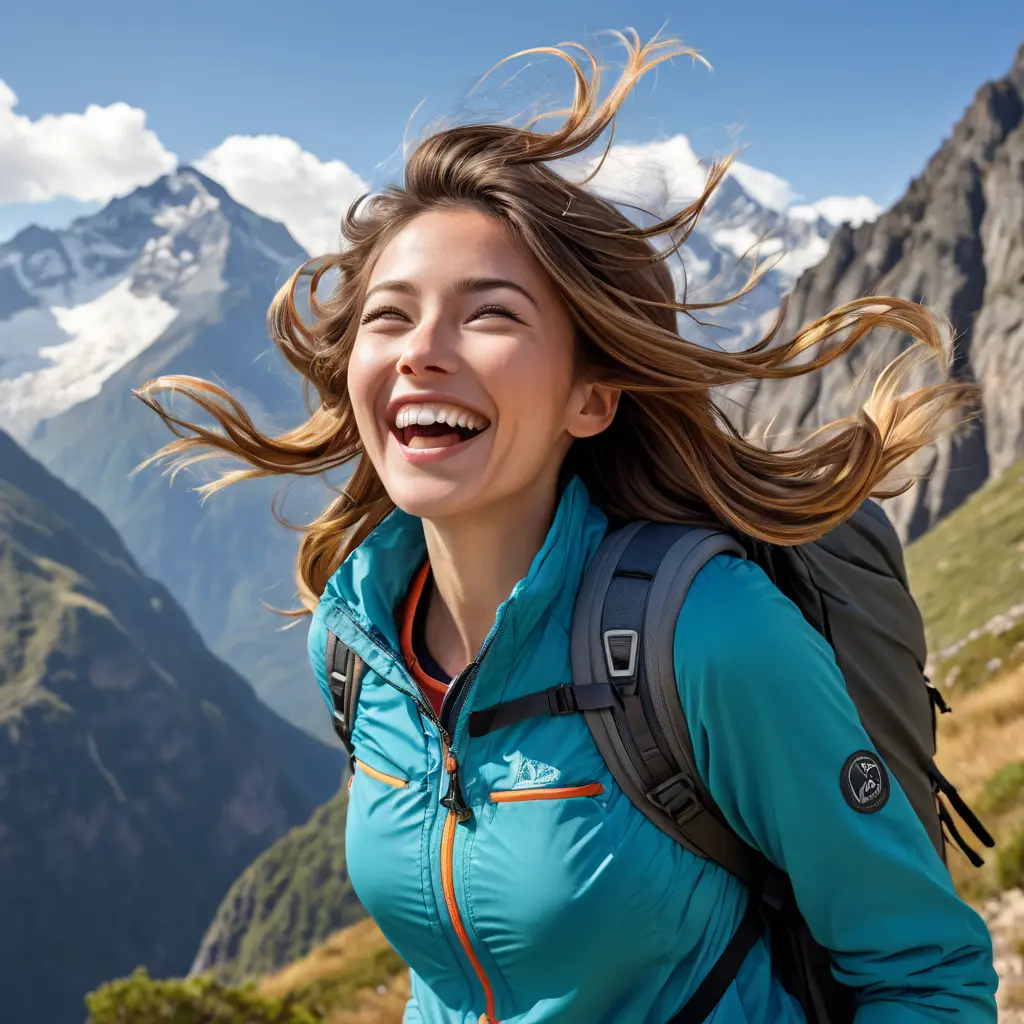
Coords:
428,497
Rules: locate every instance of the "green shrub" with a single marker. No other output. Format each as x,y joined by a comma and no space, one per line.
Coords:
1004,789
140,999
1010,862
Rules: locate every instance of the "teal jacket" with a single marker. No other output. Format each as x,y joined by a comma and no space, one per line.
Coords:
556,900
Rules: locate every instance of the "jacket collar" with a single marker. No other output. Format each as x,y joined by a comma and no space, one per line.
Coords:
374,579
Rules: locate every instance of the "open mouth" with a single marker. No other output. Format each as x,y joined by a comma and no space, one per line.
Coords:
431,426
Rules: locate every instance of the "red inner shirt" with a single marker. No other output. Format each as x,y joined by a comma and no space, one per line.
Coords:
433,688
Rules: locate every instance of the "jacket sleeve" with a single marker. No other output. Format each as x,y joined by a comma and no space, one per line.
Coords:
772,726
316,648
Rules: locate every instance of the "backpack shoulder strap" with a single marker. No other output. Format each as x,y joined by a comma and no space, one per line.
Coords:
623,637
344,679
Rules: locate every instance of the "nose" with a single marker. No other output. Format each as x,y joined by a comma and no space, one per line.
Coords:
427,349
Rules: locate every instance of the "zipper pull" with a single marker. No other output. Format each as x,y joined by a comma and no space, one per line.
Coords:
453,798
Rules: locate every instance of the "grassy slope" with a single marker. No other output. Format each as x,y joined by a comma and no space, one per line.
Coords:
967,571
286,902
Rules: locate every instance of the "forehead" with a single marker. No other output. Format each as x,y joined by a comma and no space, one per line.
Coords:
442,246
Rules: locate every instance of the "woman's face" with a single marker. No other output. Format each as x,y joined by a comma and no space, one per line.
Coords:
462,374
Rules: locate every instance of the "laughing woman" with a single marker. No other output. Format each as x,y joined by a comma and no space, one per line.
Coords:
502,361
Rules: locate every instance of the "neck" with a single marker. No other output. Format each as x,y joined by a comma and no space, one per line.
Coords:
476,560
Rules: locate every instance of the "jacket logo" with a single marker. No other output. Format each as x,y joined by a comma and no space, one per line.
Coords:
865,782
528,773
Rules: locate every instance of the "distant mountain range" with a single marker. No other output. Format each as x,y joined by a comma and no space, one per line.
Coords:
139,774
174,278
177,278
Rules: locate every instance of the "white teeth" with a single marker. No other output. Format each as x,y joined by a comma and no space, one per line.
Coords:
424,415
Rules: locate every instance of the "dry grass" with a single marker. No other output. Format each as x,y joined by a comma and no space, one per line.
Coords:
984,733
346,954
376,1007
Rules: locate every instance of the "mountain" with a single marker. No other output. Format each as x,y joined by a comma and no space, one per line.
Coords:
750,213
954,242
174,278
139,775
290,899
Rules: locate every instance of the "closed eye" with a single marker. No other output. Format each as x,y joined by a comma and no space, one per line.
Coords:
380,312
389,312
496,309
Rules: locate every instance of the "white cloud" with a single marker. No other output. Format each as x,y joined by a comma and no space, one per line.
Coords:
276,178
655,176
837,209
667,173
92,156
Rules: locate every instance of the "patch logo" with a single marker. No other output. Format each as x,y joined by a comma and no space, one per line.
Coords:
865,782
529,773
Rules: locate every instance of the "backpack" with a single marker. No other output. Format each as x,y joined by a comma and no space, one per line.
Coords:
851,586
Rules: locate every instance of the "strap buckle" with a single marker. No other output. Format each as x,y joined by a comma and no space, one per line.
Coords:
562,700
620,650
678,797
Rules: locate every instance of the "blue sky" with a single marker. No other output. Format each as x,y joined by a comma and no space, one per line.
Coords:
836,98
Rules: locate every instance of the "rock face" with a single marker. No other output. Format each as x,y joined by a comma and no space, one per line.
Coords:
139,775
175,278
955,242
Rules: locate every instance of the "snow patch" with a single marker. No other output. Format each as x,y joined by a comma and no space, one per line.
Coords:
179,218
795,261
744,243
100,337
766,188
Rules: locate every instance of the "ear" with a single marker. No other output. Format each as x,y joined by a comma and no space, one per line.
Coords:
595,406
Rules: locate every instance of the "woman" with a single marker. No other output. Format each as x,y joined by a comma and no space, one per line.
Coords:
502,360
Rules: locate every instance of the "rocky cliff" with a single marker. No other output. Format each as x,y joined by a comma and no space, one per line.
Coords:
955,242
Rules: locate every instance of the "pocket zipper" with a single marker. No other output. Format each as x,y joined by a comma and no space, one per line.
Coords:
511,796
390,780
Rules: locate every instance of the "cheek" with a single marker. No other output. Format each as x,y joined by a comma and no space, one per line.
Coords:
530,386
366,372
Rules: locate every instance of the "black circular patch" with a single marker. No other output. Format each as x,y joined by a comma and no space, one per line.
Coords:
865,782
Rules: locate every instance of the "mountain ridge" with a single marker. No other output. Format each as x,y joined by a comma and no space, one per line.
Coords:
950,241
139,775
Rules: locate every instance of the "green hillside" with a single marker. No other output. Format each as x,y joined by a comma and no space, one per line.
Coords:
968,574
286,902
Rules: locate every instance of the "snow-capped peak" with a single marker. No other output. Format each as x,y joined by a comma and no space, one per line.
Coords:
79,304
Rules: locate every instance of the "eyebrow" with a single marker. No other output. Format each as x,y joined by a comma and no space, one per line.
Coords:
463,287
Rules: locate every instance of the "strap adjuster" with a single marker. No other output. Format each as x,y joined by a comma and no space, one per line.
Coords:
678,798
562,700
620,651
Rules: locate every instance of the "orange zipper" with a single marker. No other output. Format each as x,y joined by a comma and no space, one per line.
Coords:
448,885
391,780
510,796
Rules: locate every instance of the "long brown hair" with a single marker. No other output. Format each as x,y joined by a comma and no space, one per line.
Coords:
671,453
